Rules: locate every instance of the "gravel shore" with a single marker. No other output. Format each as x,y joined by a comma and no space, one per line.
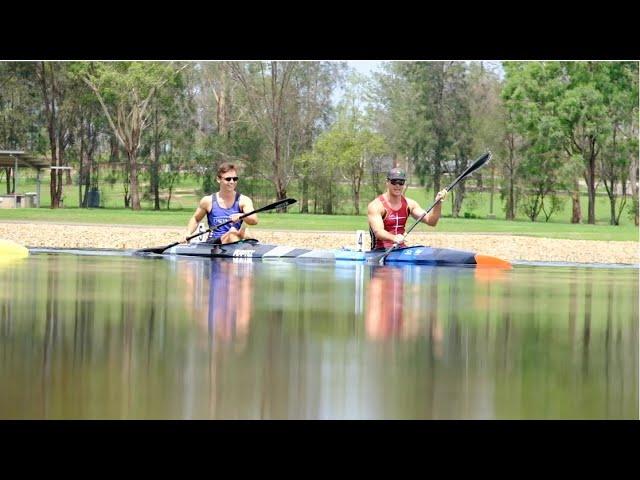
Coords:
508,247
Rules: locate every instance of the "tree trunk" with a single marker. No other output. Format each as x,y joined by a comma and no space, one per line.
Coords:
591,186
634,188
305,195
612,205
221,110
493,178
155,180
133,180
576,212
47,83
81,203
437,168
281,189
457,203
356,197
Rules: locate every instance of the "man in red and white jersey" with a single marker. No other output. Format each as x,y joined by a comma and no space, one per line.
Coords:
388,212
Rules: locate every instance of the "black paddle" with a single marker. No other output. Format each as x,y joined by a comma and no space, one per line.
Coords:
280,203
472,168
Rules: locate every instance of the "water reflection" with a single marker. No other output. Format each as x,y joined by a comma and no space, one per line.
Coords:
395,308
219,298
84,337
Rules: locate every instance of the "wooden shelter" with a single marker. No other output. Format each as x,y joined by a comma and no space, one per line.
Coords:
17,160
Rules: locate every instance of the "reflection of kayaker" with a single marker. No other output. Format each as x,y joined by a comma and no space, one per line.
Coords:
385,299
230,301
221,304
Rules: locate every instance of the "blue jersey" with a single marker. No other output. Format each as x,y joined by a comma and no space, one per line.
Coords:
219,215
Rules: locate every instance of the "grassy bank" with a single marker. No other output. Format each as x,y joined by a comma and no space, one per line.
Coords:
296,221
187,193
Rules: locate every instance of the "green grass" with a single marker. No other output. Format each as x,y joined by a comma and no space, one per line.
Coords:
296,221
186,197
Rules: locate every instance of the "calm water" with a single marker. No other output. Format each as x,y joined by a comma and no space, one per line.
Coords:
139,338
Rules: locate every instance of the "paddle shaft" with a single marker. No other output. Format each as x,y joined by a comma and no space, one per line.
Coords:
472,168
286,201
280,203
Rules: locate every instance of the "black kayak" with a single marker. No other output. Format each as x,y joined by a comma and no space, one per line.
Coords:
416,255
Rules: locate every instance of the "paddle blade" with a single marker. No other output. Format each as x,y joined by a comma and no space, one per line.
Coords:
479,162
277,205
158,250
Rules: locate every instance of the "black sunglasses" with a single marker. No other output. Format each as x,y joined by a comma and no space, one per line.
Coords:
396,182
228,179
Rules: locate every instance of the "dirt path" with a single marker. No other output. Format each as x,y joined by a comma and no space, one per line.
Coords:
509,247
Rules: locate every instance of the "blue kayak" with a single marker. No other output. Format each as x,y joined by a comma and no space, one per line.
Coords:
416,255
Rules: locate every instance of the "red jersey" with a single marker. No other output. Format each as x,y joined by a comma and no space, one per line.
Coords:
394,222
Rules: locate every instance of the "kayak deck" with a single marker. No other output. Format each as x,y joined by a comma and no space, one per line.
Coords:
415,255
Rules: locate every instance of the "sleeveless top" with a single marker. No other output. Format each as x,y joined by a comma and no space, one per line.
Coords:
394,222
219,215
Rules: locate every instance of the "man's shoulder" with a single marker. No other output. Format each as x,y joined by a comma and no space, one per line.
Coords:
375,203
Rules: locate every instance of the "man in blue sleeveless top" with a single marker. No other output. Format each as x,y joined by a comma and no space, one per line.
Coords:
222,206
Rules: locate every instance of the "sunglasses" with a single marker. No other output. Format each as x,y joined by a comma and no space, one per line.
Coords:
396,182
228,179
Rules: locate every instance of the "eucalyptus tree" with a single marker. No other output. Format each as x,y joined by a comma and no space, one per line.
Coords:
436,93
634,173
585,117
514,145
346,149
57,89
569,107
487,119
88,134
286,102
170,138
394,115
621,148
267,89
125,91
313,113
531,94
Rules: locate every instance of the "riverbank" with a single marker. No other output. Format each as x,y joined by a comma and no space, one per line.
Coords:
508,247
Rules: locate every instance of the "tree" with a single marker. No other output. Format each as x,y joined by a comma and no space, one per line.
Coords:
532,93
513,146
436,93
55,83
315,85
487,119
268,90
22,124
621,148
349,144
125,90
